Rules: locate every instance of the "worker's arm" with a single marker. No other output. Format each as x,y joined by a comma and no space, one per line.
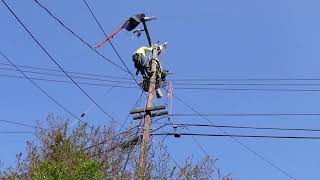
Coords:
146,49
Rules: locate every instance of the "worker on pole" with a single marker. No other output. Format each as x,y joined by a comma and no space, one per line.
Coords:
141,61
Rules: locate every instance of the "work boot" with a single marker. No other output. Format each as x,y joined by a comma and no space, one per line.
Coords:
159,93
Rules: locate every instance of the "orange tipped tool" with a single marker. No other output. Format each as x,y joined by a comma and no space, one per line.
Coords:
129,24
110,37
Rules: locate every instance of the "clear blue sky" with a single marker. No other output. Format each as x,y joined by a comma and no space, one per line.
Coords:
207,39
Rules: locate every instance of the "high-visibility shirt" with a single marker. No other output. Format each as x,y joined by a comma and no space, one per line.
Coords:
143,50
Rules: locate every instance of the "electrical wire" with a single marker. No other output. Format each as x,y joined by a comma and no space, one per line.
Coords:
137,103
131,150
42,90
237,141
246,127
115,136
246,79
113,47
69,72
168,154
53,60
245,114
182,88
240,136
75,77
20,124
127,82
69,82
205,152
194,139
247,89
176,80
122,127
77,36
16,132
136,134
246,84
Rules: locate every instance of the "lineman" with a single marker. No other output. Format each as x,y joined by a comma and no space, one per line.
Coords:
141,61
142,64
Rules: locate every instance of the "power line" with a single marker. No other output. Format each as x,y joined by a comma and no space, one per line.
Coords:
174,80
136,134
20,124
178,84
42,90
126,82
182,88
16,132
240,136
136,104
70,82
246,84
194,139
52,59
69,72
247,127
205,152
246,79
115,50
245,114
77,36
236,140
247,89
75,77
103,142
168,154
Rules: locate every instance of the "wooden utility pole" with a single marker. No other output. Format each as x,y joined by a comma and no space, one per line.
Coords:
149,105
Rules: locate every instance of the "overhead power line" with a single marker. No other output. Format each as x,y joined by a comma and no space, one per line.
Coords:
16,132
69,72
77,36
171,157
177,88
240,136
244,114
75,77
196,142
53,60
113,47
236,140
127,82
245,79
42,90
176,79
20,124
246,127
245,84
70,82
247,89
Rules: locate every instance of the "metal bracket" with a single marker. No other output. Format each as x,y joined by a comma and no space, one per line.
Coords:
141,110
152,115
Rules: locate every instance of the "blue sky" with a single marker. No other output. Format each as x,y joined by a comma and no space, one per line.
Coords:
207,39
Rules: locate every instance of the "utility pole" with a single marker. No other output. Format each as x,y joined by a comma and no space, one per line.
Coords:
130,24
149,105
146,114
147,121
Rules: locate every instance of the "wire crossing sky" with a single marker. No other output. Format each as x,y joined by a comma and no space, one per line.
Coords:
249,65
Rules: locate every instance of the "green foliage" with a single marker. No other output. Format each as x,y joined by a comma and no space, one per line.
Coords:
85,152
82,169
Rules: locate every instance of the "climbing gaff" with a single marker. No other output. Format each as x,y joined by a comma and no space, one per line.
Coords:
130,24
